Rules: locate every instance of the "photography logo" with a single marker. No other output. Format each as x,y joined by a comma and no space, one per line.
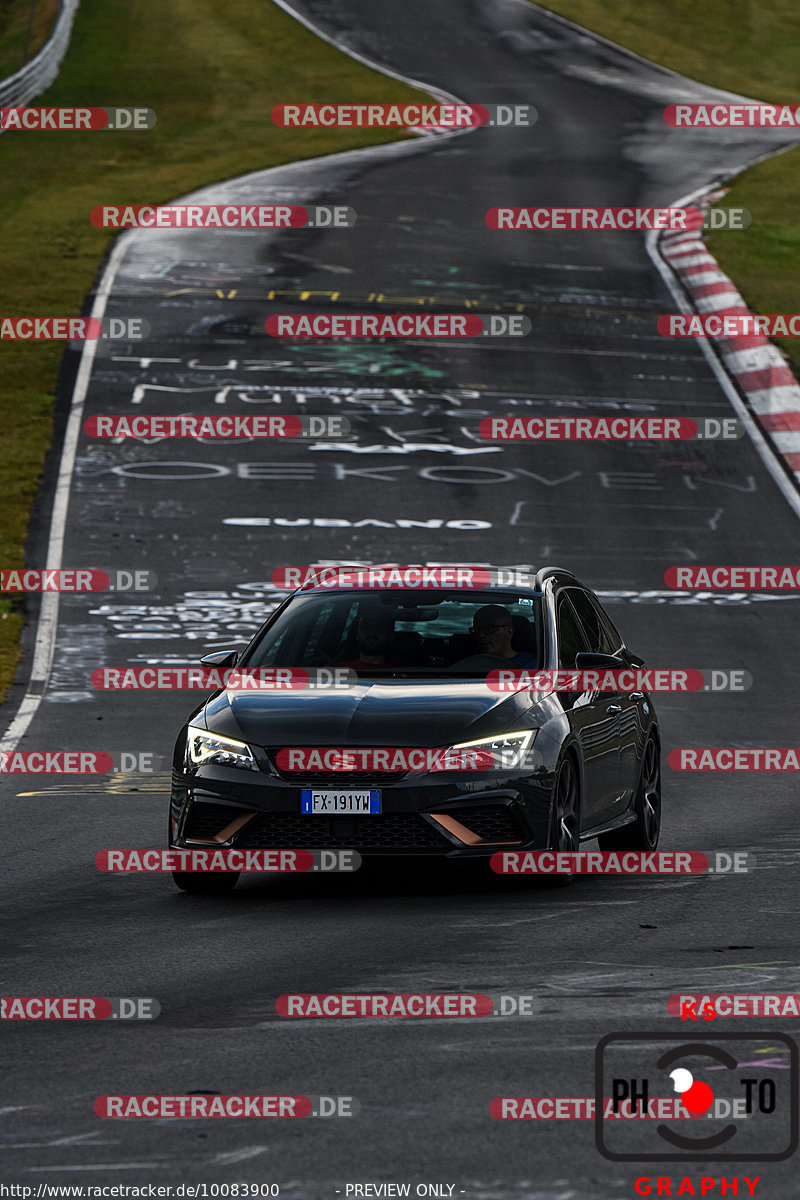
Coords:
740,1093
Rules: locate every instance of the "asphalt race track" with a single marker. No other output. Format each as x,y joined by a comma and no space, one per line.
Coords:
413,482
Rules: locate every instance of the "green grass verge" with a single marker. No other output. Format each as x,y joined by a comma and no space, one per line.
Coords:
212,73
764,260
25,26
744,46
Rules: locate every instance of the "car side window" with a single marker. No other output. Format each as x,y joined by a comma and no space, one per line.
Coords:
593,625
571,640
613,638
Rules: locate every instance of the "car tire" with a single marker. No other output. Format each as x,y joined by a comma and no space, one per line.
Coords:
211,883
641,834
565,834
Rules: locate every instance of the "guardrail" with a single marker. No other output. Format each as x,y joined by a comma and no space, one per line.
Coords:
42,69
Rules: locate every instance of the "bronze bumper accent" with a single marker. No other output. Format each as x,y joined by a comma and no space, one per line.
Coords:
223,834
466,835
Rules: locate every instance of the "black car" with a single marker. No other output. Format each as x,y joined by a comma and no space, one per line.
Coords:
567,766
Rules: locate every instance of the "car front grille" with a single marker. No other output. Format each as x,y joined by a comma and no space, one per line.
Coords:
492,822
205,821
376,832
385,832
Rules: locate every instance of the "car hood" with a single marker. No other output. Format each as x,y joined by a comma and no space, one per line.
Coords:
379,713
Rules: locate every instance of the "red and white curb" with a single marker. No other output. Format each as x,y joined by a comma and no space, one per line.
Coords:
757,366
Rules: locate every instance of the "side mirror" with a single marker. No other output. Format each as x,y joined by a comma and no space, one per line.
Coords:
220,658
586,660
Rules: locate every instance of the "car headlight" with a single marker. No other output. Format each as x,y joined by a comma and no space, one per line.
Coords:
507,750
203,747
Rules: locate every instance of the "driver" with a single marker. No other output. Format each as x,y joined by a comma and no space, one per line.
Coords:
374,633
493,629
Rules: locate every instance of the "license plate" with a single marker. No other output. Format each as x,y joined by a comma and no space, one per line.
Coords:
330,803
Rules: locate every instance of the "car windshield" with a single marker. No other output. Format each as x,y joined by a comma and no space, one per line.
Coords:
404,633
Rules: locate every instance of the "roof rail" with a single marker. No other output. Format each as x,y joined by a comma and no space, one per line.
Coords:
548,573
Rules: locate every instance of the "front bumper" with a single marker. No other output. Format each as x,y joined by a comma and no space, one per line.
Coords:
455,817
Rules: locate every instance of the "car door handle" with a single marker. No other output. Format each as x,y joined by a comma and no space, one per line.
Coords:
636,696
614,708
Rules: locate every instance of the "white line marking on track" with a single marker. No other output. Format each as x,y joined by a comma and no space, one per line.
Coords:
48,612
